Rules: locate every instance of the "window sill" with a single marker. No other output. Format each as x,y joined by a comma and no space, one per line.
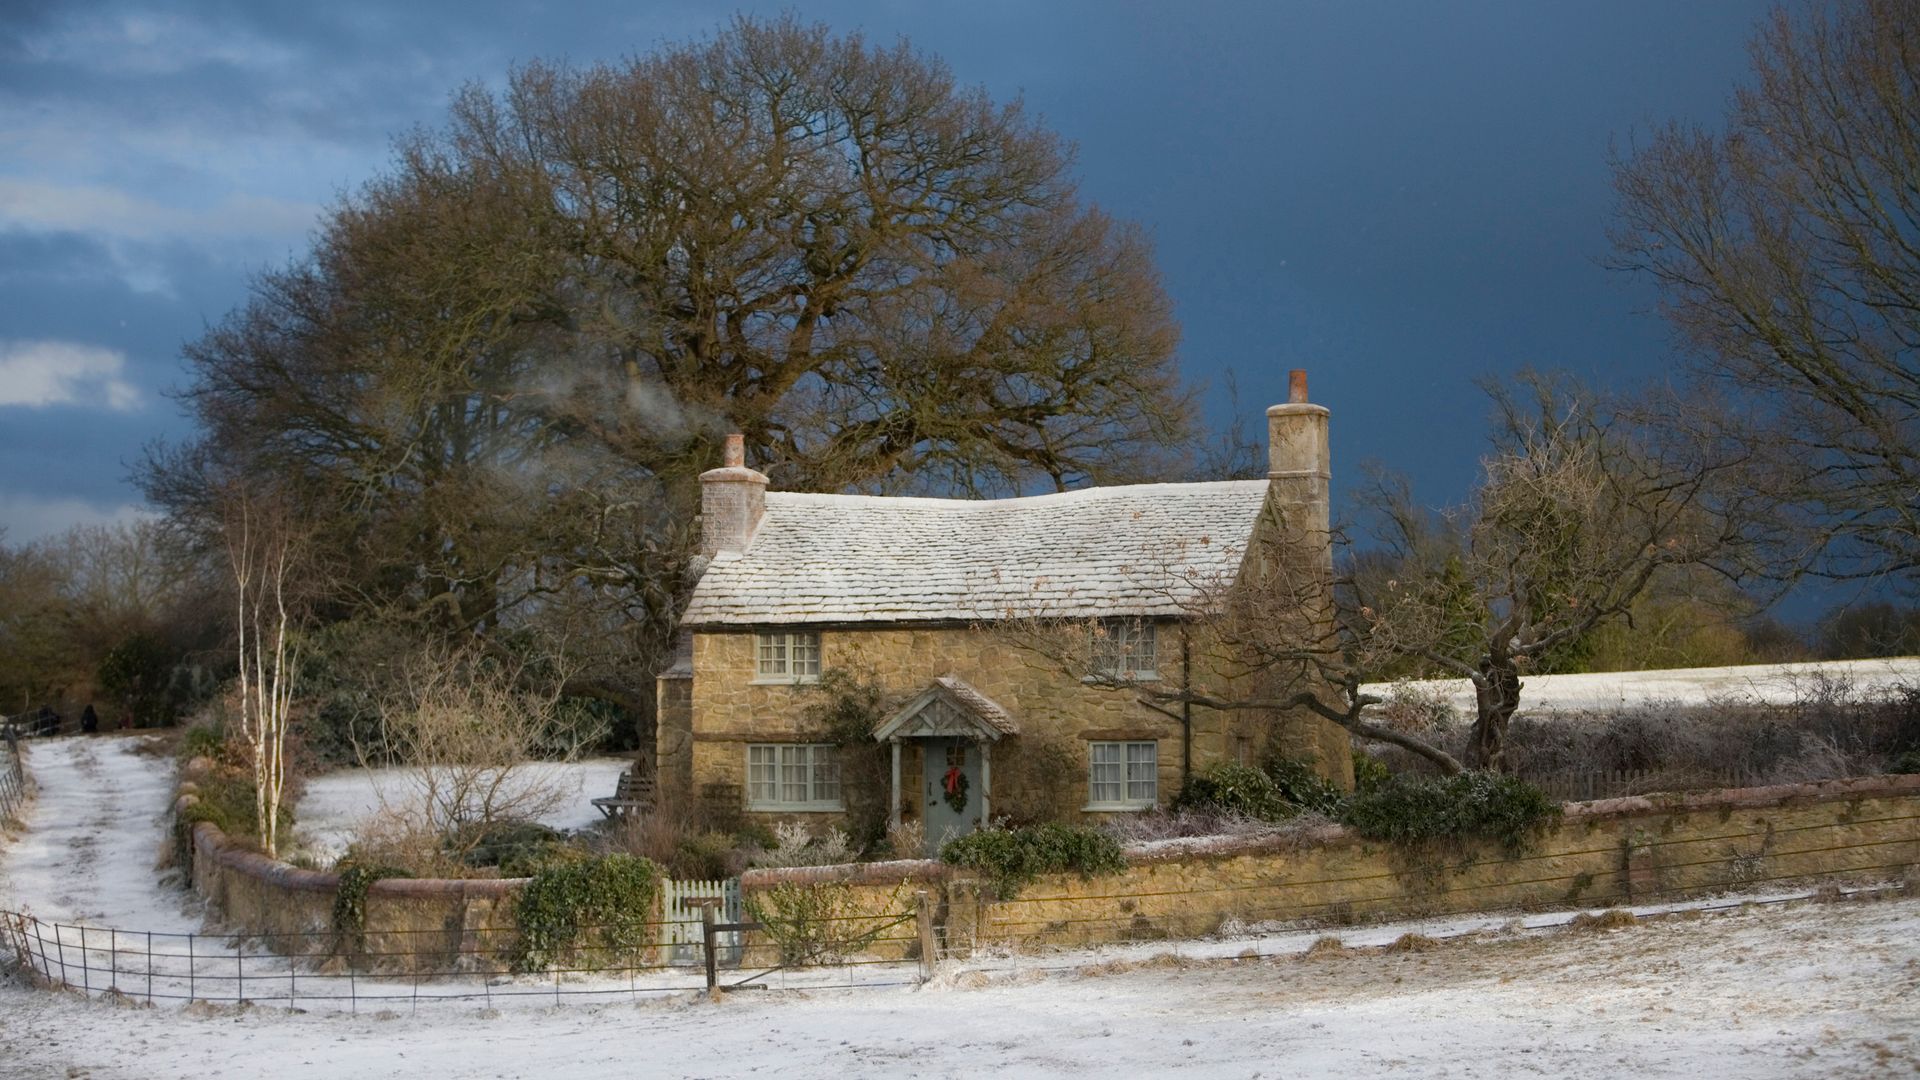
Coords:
1117,808
796,808
804,680
1120,681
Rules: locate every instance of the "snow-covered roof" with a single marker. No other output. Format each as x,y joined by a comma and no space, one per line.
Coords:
1143,549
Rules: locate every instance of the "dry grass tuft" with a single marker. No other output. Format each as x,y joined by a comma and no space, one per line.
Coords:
1326,947
1159,961
1611,919
1412,943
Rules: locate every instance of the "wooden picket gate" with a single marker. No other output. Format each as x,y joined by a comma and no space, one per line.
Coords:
682,904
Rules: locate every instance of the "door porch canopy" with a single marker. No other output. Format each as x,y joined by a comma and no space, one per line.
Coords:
948,708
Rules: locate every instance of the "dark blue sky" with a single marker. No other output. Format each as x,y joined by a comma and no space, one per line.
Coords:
1399,197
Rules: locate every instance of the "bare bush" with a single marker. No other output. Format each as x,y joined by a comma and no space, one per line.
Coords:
470,727
795,845
682,840
908,839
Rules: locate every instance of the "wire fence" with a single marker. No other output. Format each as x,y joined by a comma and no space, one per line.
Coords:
309,971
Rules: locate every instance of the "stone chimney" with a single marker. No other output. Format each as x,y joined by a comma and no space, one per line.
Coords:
1299,480
732,499
1299,473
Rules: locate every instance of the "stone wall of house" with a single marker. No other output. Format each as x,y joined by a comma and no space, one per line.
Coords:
1606,853
673,737
1040,774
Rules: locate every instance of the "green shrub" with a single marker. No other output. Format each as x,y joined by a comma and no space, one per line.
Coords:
518,848
202,742
1235,789
1013,858
1369,772
1908,762
592,912
1475,805
1303,786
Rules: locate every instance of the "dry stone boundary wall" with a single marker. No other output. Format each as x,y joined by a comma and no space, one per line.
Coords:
1604,853
1613,851
412,925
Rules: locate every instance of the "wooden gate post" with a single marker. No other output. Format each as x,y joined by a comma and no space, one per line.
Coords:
707,936
923,922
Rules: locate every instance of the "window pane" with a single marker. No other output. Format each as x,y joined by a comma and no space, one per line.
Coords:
826,775
1143,772
761,774
1140,658
793,774
773,654
1108,784
805,651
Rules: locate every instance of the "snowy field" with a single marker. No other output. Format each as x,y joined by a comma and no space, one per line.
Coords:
1775,684
1767,989
1804,991
335,803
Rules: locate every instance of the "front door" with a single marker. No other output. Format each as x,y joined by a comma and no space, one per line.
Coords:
950,789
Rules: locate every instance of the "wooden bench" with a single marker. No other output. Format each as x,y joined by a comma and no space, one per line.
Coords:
633,795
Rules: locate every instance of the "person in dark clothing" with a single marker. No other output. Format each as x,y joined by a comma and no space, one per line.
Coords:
46,721
89,720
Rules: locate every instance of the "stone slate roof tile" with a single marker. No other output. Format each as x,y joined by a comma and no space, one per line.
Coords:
1143,549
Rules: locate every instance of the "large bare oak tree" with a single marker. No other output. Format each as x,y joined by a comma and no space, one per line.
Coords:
498,374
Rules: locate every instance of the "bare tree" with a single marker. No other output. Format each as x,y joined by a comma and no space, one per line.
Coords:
1785,248
499,372
268,557
1583,506
1580,509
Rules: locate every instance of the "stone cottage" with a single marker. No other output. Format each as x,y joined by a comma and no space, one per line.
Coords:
1008,638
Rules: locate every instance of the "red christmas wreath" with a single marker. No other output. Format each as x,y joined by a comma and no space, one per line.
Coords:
956,787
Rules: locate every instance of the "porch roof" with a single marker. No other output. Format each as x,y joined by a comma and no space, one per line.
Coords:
949,707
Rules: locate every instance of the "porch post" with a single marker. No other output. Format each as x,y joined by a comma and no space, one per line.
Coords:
893,813
986,781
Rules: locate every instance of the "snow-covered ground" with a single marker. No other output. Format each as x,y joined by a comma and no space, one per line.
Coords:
1777,684
1767,989
93,837
1804,991
334,804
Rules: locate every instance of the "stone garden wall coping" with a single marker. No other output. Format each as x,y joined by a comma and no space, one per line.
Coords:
211,841
1227,847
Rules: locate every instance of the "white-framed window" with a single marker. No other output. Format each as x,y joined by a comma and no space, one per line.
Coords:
1123,775
793,776
1124,649
786,656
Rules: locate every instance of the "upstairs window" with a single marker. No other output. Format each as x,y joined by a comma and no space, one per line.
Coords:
1124,649
1124,775
786,657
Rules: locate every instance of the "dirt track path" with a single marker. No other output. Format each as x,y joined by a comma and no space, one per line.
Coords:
93,838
